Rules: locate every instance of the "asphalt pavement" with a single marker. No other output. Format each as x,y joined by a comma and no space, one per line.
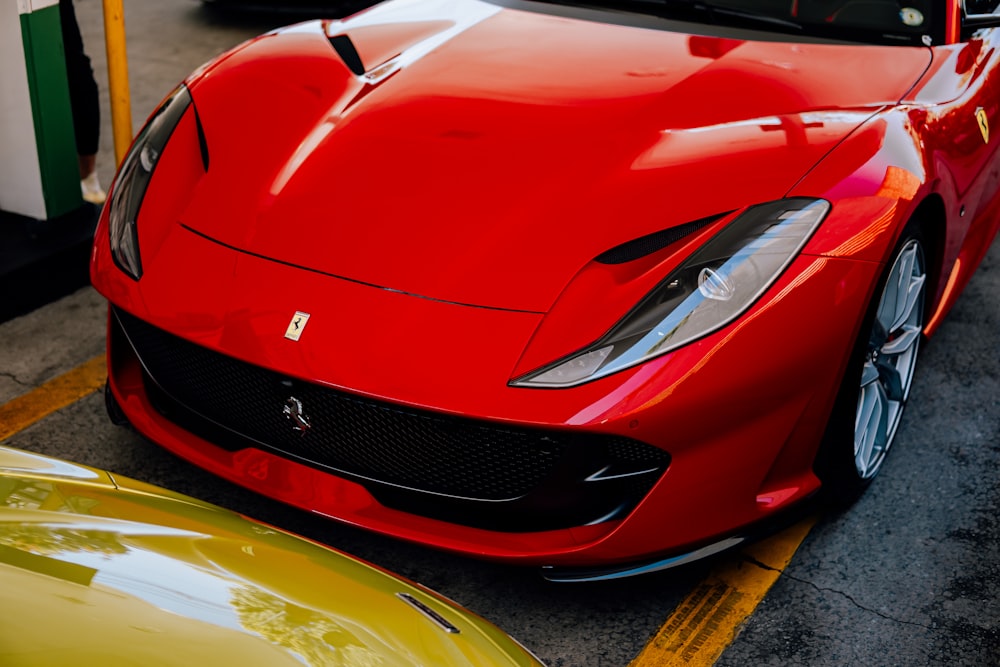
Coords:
908,576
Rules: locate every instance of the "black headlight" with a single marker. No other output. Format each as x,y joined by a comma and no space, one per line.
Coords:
134,176
713,287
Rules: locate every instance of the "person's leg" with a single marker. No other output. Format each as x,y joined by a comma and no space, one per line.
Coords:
85,102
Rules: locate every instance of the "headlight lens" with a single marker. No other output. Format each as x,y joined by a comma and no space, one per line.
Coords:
133,179
716,284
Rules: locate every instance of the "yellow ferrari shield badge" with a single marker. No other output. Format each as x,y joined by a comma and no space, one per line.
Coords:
984,124
297,325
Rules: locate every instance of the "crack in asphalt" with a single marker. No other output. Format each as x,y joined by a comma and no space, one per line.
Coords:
14,378
847,597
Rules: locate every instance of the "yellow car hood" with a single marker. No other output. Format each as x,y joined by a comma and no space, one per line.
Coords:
101,570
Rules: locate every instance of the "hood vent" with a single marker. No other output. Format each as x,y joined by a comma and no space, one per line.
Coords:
647,245
344,47
202,141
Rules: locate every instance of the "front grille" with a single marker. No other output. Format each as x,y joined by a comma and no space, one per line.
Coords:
401,455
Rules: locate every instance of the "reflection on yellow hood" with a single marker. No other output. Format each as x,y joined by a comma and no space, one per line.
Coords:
96,570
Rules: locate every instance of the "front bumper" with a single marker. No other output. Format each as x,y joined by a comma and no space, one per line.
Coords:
735,419
469,472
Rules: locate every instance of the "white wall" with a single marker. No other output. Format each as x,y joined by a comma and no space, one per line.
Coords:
20,174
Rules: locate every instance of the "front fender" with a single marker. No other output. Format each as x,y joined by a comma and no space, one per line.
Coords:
876,179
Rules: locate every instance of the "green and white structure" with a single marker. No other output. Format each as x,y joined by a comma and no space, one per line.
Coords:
39,176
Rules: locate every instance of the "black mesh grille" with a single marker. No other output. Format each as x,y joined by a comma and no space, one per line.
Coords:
236,405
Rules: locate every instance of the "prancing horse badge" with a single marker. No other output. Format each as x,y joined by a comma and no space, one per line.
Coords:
984,124
297,325
294,413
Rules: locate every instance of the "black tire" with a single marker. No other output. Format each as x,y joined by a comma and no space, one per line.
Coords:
878,378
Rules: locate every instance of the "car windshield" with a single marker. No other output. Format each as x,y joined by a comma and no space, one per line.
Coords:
906,22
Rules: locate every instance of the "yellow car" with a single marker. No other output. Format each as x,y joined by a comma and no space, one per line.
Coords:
97,569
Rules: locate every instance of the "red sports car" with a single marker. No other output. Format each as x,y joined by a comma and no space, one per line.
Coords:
594,286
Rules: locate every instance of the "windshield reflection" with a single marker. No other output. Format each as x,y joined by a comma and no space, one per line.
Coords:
902,22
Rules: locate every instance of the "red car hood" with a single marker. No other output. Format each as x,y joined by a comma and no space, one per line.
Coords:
487,155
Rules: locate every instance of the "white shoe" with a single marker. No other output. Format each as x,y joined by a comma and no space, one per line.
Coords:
91,190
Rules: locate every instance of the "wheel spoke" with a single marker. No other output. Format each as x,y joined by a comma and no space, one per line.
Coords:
870,429
903,290
907,338
900,278
890,379
911,297
869,374
887,307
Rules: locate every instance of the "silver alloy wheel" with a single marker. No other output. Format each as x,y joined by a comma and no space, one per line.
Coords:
890,359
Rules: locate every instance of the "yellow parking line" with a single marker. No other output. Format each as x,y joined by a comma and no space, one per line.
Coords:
710,618
23,411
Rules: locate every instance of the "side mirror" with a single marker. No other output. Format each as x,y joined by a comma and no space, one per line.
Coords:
979,14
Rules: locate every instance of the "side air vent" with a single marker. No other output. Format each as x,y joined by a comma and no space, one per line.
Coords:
344,47
647,245
202,141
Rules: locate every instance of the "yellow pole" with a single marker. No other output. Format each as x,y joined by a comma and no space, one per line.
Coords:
121,107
